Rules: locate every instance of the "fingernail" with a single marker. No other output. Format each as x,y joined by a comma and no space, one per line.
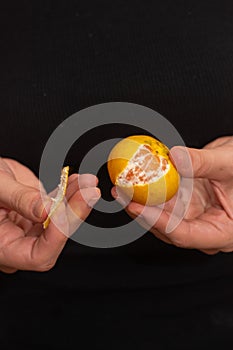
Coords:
138,216
180,157
93,201
121,201
122,198
42,207
137,213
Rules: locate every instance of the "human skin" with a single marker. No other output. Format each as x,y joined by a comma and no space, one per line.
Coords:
24,244
208,222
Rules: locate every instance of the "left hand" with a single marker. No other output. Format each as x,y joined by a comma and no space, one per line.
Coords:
208,222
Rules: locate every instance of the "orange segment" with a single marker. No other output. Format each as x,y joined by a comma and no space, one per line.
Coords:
141,168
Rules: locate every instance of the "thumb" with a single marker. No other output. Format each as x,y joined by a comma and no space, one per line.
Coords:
25,200
213,164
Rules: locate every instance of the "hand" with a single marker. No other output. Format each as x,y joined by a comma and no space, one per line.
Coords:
24,244
208,222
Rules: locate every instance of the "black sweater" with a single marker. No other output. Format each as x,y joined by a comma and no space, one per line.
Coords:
57,58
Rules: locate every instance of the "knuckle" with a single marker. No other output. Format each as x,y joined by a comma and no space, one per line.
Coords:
43,266
181,241
20,198
210,251
16,198
36,258
8,270
226,250
41,263
202,162
33,197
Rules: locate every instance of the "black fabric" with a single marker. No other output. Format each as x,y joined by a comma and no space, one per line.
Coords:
58,57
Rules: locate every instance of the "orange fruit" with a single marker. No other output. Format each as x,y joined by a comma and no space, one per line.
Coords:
140,166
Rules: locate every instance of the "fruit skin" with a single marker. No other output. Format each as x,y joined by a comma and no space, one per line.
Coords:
150,194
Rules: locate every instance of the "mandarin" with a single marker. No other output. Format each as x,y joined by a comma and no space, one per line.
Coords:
140,166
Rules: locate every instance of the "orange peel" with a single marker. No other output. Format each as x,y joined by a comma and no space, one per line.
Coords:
61,191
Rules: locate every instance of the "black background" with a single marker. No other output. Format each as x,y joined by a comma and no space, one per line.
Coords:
58,57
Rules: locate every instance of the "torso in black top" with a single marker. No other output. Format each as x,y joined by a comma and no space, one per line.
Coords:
58,58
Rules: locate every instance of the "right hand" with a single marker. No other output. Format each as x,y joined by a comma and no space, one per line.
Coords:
24,244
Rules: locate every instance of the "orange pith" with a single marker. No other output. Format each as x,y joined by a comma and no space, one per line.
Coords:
144,167
141,167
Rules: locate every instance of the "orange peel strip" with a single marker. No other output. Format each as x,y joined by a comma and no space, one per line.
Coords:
59,196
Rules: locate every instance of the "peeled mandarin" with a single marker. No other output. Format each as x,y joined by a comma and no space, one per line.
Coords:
140,166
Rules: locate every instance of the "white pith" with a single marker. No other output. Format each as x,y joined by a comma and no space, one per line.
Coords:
140,161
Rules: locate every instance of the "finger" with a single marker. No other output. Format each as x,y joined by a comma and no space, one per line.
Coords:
40,253
63,223
80,206
32,252
23,174
14,251
87,180
195,234
149,214
35,231
210,251
128,206
73,185
7,269
177,205
214,164
160,236
141,221
120,196
20,221
77,181
220,141
25,200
